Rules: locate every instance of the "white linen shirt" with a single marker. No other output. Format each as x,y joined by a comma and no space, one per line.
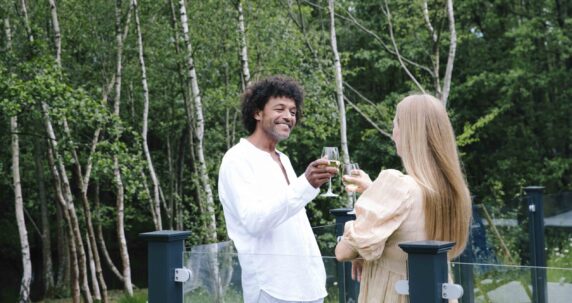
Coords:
266,219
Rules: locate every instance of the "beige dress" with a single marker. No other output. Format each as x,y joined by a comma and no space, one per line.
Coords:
389,212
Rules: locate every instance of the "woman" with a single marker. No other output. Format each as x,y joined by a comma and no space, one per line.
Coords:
430,202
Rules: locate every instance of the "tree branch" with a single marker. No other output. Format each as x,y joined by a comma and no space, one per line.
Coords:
367,118
388,14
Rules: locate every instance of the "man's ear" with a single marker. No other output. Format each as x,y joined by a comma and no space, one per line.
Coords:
258,115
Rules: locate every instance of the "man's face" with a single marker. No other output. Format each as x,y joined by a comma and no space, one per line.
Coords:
278,118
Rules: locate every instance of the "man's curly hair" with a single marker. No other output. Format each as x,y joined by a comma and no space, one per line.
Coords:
257,95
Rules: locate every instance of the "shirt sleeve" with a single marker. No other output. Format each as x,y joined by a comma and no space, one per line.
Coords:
258,212
380,210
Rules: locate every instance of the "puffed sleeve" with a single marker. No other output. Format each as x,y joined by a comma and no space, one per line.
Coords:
380,210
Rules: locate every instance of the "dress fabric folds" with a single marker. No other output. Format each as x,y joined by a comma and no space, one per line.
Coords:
389,212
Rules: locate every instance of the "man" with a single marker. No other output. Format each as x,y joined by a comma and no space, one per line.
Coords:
264,200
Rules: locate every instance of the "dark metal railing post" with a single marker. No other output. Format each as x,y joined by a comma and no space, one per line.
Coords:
464,272
165,254
348,288
426,270
536,237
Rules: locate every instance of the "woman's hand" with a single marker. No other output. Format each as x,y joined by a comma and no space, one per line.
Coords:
357,266
359,181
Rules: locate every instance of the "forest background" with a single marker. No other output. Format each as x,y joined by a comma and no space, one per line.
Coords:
116,114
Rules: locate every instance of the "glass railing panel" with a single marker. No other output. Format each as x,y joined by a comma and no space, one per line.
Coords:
486,283
216,273
501,235
217,278
559,284
557,229
326,238
498,234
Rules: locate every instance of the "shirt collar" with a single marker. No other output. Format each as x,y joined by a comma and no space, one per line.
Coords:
254,148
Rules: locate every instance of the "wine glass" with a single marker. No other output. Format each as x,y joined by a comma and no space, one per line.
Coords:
333,156
351,169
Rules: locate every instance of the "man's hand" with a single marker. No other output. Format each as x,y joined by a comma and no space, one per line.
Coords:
318,172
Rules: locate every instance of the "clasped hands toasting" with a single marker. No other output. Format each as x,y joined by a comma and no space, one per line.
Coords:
322,170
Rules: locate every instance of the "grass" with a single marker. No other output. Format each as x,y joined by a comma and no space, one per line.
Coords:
115,296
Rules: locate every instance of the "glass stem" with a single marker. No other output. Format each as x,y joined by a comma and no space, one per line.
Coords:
330,185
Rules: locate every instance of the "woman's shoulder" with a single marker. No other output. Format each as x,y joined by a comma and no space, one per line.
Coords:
395,175
390,173
393,178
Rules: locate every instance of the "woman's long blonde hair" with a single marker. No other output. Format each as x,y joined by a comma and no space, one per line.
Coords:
428,150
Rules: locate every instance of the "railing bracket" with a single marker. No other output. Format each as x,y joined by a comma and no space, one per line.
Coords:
402,287
183,274
451,291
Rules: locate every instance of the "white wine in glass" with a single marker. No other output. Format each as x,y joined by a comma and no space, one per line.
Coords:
351,170
333,156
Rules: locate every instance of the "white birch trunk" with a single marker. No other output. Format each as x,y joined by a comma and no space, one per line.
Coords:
452,51
57,33
339,85
120,207
170,167
26,20
189,112
243,48
199,126
20,220
156,199
101,241
435,48
92,270
8,33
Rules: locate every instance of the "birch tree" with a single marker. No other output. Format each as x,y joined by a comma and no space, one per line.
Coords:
25,282
58,171
339,84
198,125
441,89
188,133
67,200
452,52
92,255
24,10
243,47
156,209
245,76
57,32
20,220
120,191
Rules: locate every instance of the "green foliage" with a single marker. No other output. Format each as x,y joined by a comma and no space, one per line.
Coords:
469,131
136,298
510,100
